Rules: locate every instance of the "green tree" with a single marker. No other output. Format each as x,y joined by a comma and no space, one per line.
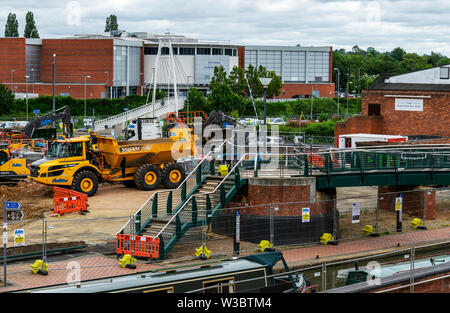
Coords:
197,101
6,100
253,74
414,62
111,23
30,26
12,26
398,54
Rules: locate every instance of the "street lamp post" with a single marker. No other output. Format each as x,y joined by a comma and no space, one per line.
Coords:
187,95
312,100
87,76
32,78
154,90
265,81
339,90
53,100
107,79
26,92
12,79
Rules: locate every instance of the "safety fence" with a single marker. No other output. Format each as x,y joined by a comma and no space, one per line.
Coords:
284,226
347,218
388,272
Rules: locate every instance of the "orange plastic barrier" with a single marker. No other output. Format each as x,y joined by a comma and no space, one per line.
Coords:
143,246
317,160
66,201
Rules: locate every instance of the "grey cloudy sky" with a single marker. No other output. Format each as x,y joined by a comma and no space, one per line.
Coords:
417,26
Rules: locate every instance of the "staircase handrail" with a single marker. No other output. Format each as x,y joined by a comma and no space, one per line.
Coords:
205,193
193,172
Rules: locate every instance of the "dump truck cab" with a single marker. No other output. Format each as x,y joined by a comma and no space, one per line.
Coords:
63,161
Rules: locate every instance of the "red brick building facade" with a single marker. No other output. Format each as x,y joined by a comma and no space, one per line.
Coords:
414,109
83,67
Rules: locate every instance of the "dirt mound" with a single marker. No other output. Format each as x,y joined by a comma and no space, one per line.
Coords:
30,196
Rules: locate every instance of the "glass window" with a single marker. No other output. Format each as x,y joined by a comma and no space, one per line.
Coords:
219,286
229,52
151,50
187,51
217,51
165,51
444,72
204,51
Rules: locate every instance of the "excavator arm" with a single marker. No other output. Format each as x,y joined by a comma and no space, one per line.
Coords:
41,121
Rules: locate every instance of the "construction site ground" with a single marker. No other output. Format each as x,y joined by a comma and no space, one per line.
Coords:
113,204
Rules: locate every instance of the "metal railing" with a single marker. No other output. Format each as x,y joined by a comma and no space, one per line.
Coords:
162,107
164,202
199,209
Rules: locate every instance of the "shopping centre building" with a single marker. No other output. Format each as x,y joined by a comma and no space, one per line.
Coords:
120,63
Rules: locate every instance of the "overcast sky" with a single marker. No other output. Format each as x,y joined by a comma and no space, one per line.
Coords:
417,26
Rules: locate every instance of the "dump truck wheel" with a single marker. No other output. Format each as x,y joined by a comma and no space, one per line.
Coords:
86,182
147,177
173,175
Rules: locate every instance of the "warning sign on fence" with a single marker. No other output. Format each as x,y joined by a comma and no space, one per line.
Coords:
398,203
19,237
356,213
305,215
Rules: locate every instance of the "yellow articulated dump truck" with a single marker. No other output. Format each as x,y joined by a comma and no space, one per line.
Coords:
81,163
12,169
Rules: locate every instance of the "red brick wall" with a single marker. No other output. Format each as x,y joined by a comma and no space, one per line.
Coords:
241,56
413,200
289,198
12,57
76,58
359,124
434,120
290,90
75,90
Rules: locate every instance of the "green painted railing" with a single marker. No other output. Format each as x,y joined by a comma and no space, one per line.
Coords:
200,209
165,203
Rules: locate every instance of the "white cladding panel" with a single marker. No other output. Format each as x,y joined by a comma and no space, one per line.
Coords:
184,67
428,76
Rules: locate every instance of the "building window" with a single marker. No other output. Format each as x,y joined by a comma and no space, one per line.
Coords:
151,50
165,51
217,51
444,73
204,51
187,51
374,109
229,52
175,50
234,52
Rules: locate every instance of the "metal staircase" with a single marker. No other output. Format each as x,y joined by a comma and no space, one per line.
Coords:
161,108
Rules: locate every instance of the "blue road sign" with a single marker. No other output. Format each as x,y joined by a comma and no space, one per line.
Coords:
12,205
36,111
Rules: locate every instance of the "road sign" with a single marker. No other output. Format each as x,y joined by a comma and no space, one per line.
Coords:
12,205
15,215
